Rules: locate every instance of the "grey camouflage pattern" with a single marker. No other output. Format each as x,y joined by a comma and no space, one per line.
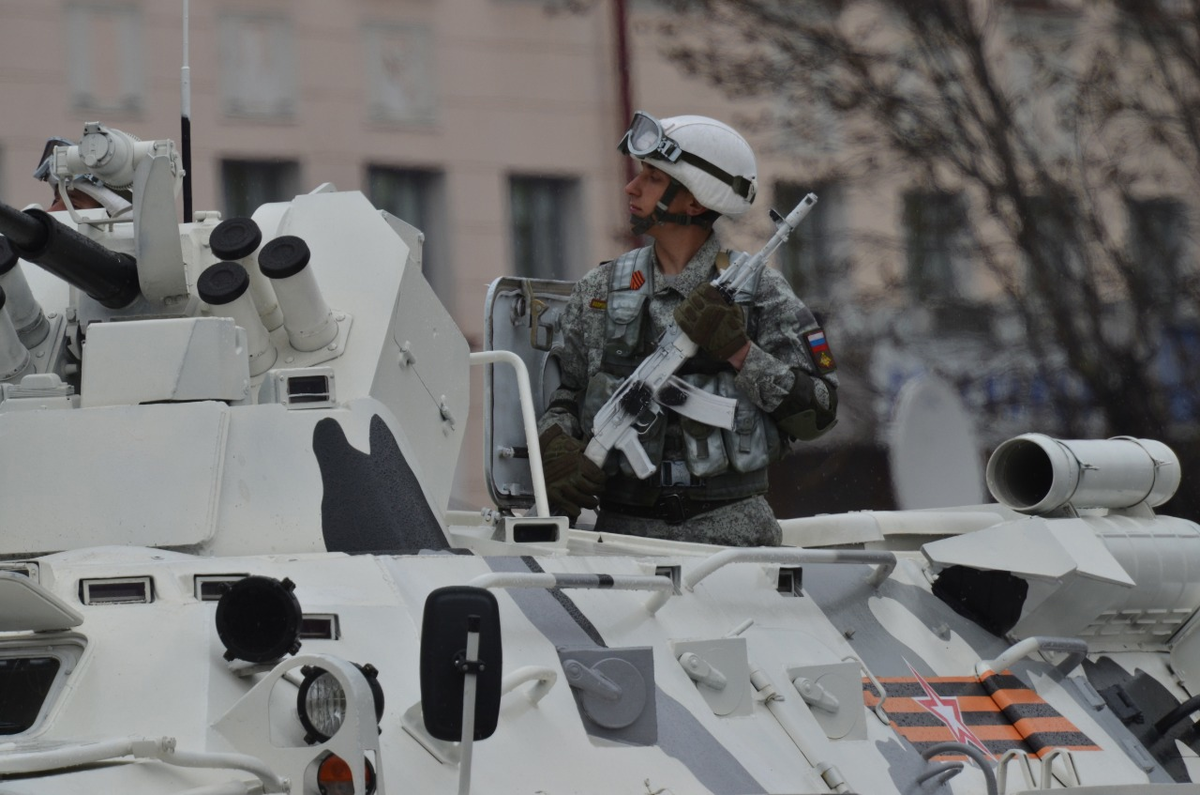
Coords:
775,349
747,523
765,379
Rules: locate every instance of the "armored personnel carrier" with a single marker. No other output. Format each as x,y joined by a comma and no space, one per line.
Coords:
228,563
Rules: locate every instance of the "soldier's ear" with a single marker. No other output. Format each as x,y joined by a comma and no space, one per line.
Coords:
694,207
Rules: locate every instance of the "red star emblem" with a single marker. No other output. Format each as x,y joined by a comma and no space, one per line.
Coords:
947,710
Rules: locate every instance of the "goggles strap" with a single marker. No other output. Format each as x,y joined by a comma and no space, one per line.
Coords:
739,185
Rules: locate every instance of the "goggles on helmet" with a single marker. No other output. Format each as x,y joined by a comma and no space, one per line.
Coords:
45,169
645,139
112,201
42,172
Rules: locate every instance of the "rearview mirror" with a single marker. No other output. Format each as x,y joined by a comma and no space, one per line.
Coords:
450,614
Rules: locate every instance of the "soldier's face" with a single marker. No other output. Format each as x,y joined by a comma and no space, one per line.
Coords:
646,189
78,198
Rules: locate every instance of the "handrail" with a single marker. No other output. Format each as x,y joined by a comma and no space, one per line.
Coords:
160,748
943,771
1072,775
1168,721
1076,649
1022,760
971,752
544,677
886,560
612,582
525,397
1068,763
879,711
228,788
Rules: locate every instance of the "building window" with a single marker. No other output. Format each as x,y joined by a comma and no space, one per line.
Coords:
546,219
247,184
257,66
1159,233
1056,244
1040,79
400,73
104,58
417,196
810,259
937,244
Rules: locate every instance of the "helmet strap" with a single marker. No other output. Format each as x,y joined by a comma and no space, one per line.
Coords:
660,215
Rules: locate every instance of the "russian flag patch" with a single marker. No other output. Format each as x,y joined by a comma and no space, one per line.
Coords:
818,346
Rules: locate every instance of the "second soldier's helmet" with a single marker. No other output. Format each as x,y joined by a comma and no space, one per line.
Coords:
708,157
116,201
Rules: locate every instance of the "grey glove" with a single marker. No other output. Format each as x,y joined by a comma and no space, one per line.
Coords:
714,323
572,480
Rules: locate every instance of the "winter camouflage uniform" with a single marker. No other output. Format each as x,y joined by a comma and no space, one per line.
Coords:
776,322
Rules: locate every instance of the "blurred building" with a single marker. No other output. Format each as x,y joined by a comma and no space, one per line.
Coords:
490,124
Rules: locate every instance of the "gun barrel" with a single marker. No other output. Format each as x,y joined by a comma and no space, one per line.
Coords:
733,279
797,215
107,276
22,230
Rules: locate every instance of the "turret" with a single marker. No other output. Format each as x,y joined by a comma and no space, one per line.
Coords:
36,236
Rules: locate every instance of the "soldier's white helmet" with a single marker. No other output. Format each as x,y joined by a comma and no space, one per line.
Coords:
116,201
706,156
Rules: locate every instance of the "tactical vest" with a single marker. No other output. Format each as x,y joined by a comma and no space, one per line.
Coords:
720,464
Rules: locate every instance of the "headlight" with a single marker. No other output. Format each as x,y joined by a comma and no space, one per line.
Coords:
321,702
334,778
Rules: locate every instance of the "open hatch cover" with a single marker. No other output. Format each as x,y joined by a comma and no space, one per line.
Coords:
521,316
26,606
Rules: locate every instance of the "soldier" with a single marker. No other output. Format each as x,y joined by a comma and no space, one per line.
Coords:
86,192
768,353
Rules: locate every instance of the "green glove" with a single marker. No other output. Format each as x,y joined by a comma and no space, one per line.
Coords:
809,410
713,323
572,480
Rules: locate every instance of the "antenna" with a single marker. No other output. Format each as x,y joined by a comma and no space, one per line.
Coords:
185,122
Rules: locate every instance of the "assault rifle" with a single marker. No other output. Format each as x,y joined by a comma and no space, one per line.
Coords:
638,401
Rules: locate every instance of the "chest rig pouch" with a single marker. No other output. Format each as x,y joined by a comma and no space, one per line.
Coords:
708,452
626,343
753,442
629,289
711,451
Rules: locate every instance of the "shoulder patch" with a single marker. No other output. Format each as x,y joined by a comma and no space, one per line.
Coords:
818,346
599,303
